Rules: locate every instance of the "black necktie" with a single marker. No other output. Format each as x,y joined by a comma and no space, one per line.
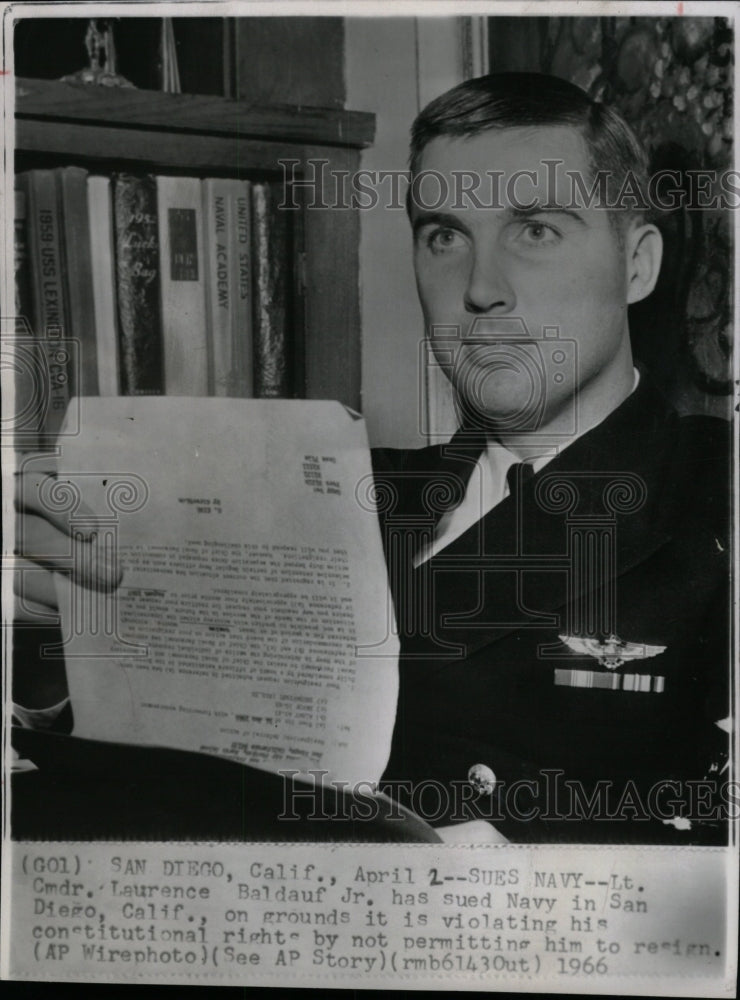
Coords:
517,475
460,457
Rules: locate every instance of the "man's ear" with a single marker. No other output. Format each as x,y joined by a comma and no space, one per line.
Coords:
644,252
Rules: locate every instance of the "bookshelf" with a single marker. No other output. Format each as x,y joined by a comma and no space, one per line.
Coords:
149,131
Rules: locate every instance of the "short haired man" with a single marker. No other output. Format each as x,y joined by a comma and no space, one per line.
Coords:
560,568
562,650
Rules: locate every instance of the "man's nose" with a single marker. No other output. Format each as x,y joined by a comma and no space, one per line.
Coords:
488,289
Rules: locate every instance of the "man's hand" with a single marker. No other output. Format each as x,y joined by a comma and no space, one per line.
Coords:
47,542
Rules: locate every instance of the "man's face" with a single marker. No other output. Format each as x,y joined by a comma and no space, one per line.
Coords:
552,267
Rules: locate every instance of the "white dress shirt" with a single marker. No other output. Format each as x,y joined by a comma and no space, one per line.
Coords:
487,487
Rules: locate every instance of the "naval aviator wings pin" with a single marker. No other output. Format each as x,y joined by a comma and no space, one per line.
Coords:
611,653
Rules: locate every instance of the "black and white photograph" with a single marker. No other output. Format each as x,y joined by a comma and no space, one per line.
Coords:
370,418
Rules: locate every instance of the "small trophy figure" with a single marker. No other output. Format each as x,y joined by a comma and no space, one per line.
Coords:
101,53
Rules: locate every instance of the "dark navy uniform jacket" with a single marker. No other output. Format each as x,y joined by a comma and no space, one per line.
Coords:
623,536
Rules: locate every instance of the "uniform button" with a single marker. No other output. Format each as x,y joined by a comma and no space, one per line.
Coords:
482,779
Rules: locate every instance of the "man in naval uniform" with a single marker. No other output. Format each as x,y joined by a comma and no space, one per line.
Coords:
559,569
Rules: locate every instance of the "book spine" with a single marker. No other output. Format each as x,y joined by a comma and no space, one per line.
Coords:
21,259
219,285
47,295
183,287
27,362
100,219
138,284
269,257
243,332
77,269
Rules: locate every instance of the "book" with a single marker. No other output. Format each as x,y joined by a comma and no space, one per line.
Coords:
26,361
270,263
47,298
100,219
24,358
243,320
219,287
77,270
136,237
20,258
268,640
227,237
182,286
228,286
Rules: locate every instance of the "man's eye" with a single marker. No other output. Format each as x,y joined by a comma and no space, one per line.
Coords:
539,233
443,240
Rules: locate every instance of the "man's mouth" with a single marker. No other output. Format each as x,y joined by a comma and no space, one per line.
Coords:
497,329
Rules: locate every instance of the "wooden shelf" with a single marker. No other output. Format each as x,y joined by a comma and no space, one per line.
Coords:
142,110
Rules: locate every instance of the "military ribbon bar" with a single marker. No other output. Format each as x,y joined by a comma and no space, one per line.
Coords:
643,683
